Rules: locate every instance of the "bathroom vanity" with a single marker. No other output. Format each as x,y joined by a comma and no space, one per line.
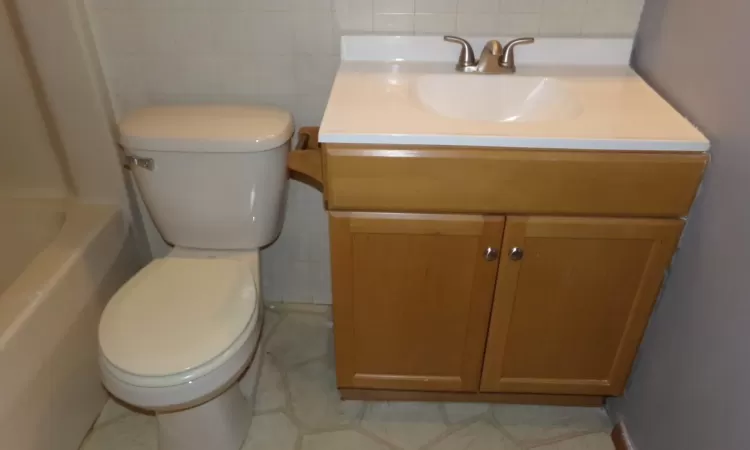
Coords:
497,237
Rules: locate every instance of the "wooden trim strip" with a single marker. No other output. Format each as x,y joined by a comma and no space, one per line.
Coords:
358,149
423,224
480,397
503,181
620,438
437,383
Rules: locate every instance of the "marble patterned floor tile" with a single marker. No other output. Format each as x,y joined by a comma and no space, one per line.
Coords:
270,393
477,436
340,440
309,308
271,319
536,425
462,412
596,441
113,410
316,402
299,338
131,432
295,363
408,425
249,380
271,432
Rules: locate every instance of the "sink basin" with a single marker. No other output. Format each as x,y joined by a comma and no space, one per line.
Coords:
497,98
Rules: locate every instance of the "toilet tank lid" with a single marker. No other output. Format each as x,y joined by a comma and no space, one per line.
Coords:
207,128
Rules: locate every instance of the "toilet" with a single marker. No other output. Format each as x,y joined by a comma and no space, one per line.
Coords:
177,337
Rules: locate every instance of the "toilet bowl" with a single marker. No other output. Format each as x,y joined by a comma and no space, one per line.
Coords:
176,338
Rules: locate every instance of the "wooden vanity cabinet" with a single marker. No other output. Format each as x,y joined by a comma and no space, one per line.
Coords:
422,304
496,274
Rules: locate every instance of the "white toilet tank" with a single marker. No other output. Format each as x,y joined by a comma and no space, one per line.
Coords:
212,177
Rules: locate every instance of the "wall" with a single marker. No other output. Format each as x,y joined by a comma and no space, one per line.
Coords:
73,92
76,95
285,52
29,164
690,388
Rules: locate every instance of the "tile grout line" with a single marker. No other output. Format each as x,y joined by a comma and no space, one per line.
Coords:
559,439
493,421
374,437
304,430
336,418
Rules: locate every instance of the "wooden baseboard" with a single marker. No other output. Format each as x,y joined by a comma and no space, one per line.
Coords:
536,399
620,438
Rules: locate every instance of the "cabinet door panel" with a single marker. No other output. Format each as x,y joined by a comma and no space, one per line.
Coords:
569,315
412,298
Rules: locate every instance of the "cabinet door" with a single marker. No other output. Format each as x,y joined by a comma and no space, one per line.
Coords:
411,299
572,301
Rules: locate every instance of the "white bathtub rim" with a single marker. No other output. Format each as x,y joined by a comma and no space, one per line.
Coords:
52,264
32,340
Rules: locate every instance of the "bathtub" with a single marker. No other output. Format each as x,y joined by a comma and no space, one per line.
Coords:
60,262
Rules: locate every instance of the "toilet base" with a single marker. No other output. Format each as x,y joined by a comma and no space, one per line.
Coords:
219,424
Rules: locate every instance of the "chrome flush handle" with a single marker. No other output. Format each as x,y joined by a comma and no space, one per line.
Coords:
134,161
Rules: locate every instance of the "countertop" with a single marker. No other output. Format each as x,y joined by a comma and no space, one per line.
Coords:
375,102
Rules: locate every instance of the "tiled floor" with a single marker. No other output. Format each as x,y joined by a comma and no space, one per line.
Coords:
292,387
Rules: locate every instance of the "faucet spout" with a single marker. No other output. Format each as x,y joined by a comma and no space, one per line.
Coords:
493,47
489,61
494,58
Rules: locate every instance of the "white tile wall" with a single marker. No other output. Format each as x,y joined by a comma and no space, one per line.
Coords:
285,52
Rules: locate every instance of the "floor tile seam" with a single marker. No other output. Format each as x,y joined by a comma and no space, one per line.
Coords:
444,414
370,435
298,441
451,429
286,310
261,355
558,439
283,387
272,331
94,429
517,442
105,424
269,412
288,408
305,362
458,426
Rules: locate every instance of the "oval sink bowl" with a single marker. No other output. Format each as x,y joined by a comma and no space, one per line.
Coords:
497,98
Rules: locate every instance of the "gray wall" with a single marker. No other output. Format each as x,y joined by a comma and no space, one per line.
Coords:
691,386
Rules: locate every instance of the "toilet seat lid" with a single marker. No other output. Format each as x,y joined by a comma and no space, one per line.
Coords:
177,314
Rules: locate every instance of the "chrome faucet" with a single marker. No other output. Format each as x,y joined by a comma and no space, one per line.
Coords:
494,58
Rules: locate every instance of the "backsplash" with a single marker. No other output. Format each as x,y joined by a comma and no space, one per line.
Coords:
285,53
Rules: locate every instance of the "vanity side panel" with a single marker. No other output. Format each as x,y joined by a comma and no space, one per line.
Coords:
543,182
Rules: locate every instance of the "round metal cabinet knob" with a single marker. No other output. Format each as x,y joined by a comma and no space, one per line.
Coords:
516,253
491,254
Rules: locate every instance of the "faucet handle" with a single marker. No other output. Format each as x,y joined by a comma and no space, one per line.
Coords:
508,59
466,59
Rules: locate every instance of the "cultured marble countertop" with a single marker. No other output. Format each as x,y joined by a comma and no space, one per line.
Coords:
376,102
